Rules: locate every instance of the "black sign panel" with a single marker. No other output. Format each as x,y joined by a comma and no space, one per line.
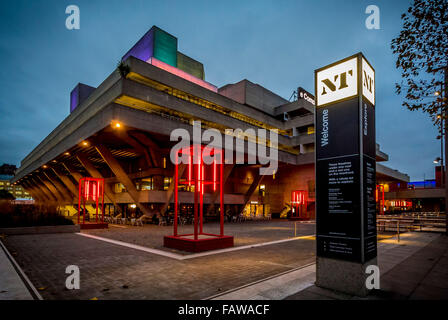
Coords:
369,179
345,181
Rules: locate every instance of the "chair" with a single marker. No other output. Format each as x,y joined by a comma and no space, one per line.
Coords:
162,221
139,222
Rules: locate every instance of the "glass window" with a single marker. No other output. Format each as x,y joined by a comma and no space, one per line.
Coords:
119,188
147,184
166,183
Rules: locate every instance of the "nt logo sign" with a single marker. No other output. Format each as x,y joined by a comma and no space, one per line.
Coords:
342,81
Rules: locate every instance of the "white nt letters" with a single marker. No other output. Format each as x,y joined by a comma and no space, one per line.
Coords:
368,82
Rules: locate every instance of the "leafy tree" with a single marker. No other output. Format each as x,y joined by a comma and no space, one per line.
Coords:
123,69
422,53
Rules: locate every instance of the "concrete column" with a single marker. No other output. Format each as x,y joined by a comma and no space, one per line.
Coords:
36,196
108,193
170,192
66,181
43,188
158,182
122,176
59,196
59,187
257,180
227,171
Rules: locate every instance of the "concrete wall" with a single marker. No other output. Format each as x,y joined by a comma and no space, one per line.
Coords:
254,95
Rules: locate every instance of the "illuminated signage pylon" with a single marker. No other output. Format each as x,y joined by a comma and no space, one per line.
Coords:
345,173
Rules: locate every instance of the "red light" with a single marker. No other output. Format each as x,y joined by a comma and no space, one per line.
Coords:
214,175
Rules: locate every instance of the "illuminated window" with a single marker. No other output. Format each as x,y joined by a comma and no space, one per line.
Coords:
166,183
119,188
147,184
262,190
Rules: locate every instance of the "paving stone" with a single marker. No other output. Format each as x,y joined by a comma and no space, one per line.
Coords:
104,265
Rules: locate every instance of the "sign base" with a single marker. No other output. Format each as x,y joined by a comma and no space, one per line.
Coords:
344,276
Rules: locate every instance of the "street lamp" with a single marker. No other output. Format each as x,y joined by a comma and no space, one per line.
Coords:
437,160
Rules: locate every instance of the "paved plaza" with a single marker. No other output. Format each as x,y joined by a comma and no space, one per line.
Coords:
271,260
414,269
245,233
110,271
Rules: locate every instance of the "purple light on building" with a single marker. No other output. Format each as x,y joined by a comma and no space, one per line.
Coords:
144,48
80,93
74,99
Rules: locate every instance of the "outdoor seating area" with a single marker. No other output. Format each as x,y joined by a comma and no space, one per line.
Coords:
412,221
124,221
187,220
168,220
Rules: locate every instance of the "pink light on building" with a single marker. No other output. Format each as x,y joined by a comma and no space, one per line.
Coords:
180,73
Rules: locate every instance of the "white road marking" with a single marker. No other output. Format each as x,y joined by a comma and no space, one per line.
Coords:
188,256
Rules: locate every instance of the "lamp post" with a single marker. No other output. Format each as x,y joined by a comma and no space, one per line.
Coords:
444,123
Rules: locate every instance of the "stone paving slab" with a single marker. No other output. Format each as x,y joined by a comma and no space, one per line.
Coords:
110,271
11,285
245,233
414,268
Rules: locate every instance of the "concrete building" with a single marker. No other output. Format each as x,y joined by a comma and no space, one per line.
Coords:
120,131
16,190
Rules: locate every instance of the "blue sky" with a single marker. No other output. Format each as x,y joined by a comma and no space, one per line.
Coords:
277,44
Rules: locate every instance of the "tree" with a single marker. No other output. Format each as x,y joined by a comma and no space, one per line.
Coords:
422,55
422,52
8,169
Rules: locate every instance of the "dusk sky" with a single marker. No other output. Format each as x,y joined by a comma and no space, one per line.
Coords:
277,44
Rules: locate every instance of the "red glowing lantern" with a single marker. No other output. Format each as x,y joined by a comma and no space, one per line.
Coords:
299,200
204,177
91,189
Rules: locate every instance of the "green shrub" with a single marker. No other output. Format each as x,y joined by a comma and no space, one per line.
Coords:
21,215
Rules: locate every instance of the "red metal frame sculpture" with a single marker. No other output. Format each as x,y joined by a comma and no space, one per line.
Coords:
90,189
379,197
299,201
204,177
